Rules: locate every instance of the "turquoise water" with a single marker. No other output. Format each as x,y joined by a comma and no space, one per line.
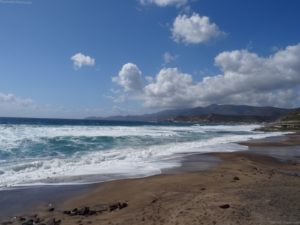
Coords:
41,151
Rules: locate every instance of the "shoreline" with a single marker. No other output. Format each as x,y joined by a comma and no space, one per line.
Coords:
114,191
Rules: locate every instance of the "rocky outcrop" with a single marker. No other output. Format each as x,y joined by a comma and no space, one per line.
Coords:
290,122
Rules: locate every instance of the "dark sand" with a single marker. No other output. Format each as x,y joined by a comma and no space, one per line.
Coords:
259,186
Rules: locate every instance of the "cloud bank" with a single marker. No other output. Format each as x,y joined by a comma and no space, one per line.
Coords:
80,60
245,78
194,29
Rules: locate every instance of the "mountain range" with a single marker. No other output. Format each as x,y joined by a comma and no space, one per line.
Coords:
220,113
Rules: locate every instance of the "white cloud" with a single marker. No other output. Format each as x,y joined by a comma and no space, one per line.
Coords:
164,3
194,29
10,99
12,105
80,60
168,57
246,78
168,89
130,78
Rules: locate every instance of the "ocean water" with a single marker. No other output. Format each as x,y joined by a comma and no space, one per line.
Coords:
48,151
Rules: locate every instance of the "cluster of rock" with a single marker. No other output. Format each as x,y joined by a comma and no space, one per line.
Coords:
50,220
87,211
32,220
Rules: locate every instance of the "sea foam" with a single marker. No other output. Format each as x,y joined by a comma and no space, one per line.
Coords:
37,154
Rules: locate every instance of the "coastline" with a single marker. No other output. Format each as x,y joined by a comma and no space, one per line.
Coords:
194,193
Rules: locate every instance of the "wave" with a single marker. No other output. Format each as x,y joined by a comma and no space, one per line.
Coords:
57,154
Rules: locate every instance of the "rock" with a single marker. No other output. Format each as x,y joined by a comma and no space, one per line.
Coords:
68,212
28,222
73,212
100,208
123,205
85,211
51,209
52,221
236,178
154,200
21,218
6,223
118,205
225,206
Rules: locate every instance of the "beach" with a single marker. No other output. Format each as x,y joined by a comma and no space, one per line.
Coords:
256,186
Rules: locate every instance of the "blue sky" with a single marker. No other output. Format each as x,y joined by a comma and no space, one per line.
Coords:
75,58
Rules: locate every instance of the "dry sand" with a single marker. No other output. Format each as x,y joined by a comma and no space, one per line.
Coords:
244,188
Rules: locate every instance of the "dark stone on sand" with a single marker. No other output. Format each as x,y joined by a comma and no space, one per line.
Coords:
28,222
51,209
21,218
113,207
154,200
85,211
225,206
118,205
6,223
68,212
100,208
236,178
123,205
52,221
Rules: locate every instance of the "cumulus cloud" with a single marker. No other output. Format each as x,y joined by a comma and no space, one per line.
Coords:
245,78
194,29
130,78
80,60
164,3
169,89
169,57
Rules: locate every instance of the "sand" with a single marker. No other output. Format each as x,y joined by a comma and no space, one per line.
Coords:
240,188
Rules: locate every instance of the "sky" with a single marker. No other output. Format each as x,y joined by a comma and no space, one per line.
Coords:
79,58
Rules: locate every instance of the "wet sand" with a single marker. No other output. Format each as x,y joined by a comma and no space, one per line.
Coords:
259,186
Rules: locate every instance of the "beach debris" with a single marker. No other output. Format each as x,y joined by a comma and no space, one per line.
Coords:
225,206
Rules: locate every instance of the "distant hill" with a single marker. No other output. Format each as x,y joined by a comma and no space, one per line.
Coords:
216,118
289,122
235,112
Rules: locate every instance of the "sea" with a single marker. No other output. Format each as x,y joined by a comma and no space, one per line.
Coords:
64,151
